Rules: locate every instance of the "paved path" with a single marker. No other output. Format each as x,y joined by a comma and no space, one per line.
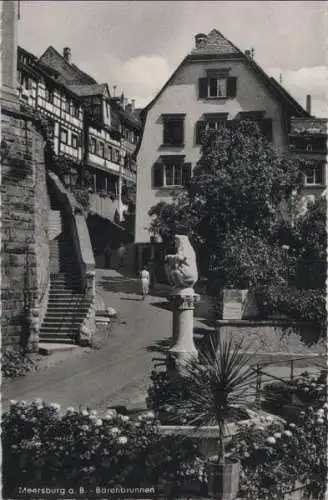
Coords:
119,372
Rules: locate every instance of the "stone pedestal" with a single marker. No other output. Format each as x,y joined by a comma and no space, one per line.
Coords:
183,303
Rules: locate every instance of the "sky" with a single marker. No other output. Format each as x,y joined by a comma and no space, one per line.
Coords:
136,45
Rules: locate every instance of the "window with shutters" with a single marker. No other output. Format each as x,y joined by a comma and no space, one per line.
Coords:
171,171
217,87
173,130
210,122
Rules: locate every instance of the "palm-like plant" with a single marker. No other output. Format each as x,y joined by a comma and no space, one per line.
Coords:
218,383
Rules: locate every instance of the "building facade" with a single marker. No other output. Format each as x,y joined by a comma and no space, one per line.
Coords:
95,133
214,84
308,140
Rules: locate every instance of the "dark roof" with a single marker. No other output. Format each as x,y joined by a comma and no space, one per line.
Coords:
216,43
89,90
69,73
217,46
127,116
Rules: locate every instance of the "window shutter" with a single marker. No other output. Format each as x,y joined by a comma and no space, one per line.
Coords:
202,88
200,127
158,171
267,129
186,173
232,86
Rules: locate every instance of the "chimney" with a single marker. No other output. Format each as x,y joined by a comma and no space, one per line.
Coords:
247,53
122,99
114,90
200,40
125,102
133,105
308,103
67,54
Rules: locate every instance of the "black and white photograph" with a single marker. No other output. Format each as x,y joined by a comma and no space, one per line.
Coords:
164,249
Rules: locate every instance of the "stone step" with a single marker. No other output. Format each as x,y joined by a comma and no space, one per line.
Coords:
56,340
51,331
62,324
60,319
57,307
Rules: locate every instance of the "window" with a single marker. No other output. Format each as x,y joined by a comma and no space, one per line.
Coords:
108,153
63,136
217,87
72,108
115,156
173,130
74,141
49,95
314,175
101,149
65,105
26,82
171,171
93,145
211,122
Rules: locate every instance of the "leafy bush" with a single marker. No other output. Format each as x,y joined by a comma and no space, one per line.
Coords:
78,447
273,462
16,362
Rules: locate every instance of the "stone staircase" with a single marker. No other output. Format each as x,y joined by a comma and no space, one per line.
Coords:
67,302
54,224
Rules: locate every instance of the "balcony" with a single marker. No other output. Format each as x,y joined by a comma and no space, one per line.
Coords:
315,145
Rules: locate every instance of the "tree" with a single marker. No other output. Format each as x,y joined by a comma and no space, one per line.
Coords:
235,193
239,211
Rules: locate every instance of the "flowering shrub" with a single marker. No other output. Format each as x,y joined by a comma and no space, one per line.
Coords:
303,390
273,462
163,396
16,362
78,447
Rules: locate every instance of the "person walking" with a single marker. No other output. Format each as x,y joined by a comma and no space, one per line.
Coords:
145,279
121,254
108,256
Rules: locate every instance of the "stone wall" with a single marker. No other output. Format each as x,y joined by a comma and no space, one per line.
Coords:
24,246
42,208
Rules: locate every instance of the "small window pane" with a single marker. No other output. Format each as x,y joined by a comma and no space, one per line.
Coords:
221,87
213,86
177,175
